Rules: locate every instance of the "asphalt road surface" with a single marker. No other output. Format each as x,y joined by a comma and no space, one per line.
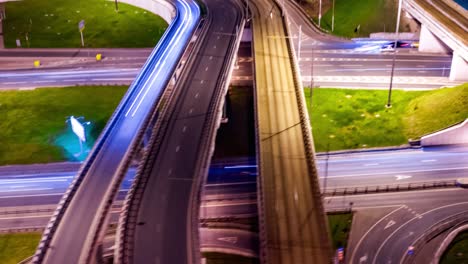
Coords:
290,207
385,167
408,216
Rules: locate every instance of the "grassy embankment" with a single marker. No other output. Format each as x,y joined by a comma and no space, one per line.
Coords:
350,119
32,119
457,252
54,24
371,15
17,246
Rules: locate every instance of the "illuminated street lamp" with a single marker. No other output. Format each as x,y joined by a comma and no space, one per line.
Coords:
389,101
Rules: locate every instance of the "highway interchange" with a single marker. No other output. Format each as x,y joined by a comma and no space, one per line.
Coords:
332,63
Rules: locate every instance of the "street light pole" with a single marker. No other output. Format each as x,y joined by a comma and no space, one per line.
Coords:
389,100
320,12
333,15
299,44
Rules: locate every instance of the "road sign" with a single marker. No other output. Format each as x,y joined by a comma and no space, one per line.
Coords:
81,25
78,128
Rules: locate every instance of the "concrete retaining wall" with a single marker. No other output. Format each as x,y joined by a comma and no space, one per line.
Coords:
457,134
444,245
159,7
391,36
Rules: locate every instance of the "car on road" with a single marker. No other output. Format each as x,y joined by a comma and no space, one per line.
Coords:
462,182
390,46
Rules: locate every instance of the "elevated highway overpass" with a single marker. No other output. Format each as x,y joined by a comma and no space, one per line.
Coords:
293,227
160,220
444,27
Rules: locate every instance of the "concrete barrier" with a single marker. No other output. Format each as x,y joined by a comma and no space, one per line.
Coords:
447,241
159,7
457,134
391,36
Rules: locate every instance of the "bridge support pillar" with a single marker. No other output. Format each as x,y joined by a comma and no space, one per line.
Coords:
459,68
428,42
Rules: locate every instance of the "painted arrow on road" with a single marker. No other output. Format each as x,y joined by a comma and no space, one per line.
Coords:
402,177
389,224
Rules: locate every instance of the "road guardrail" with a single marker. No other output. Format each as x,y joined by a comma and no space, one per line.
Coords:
388,188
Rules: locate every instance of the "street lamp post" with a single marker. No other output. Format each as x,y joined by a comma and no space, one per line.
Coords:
389,100
320,12
333,15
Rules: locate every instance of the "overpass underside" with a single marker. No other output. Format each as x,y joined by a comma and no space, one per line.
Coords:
292,220
444,28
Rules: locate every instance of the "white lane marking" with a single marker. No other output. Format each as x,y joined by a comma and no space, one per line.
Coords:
206,69
229,204
370,229
196,95
191,111
407,222
402,177
389,224
228,184
31,195
13,82
429,160
177,149
232,240
25,217
371,164
27,190
184,129
386,173
363,259
111,79
44,81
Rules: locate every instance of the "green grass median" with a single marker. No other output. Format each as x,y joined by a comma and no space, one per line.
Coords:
54,24
340,226
17,246
351,118
457,252
32,120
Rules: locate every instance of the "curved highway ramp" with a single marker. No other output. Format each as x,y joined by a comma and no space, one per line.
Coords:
160,223
75,229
